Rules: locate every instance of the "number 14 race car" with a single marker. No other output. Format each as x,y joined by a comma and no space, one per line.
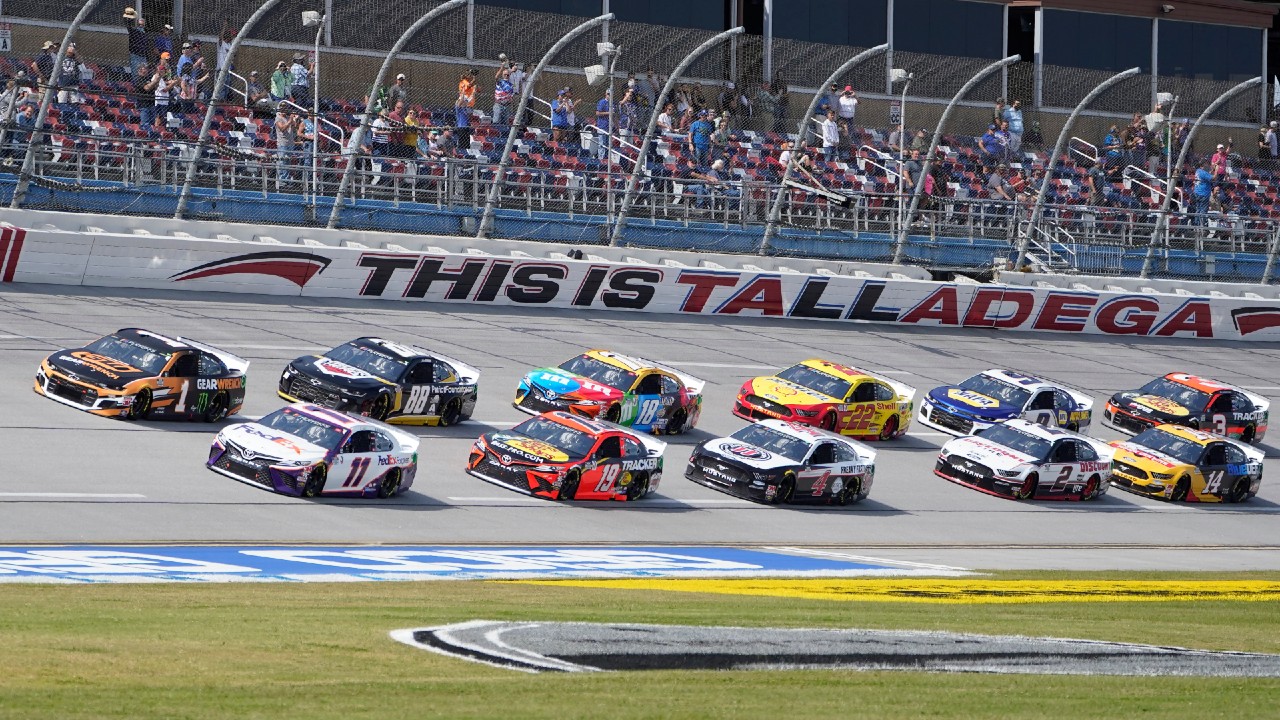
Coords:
1176,463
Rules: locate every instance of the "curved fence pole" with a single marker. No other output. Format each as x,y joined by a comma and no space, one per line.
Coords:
495,188
357,137
638,167
219,85
775,211
1057,152
900,247
46,99
1162,224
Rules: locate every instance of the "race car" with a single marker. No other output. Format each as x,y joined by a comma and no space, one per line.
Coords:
1028,461
996,396
630,391
1172,462
1190,401
400,384
832,397
308,451
559,456
135,374
785,462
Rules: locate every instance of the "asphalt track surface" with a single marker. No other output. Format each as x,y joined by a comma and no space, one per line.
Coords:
71,477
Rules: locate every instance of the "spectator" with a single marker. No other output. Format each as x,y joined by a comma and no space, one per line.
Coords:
911,171
784,103
1273,145
998,188
397,91
447,144
699,139
299,79
728,97
280,83
69,78
395,120
847,109
561,108
1113,149
222,55
1013,116
628,113
1221,164
429,146
686,121
770,102
186,58
412,134
998,113
895,139
830,100
162,85
604,109
1151,142
462,107
830,133
1002,136
10,100
258,99
991,146
24,126
1201,192
139,43
721,136
784,156
647,87
920,142
1098,183
666,123
695,182
503,93
744,103
719,182
1033,135
43,64
288,127
517,77
164,41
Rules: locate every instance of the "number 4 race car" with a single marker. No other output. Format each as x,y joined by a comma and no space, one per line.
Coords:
994,396
1180,464
1027,461
782,462
137,374
1190,401
832,397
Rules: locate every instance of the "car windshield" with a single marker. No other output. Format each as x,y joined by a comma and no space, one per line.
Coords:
1167,443
1188,397
599,371
1020,440
575,443
816,380
998,389
315,431
775,442
375,363
133,353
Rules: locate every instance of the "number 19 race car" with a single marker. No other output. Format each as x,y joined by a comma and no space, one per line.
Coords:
1028,461
1177,463
782,462
832,397
994,396
135,374
401,384
630,391
1190,401
559,456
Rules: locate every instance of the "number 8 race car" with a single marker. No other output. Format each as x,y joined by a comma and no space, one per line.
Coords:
1027,461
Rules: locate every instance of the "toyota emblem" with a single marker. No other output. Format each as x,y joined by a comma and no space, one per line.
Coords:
506,459
248,454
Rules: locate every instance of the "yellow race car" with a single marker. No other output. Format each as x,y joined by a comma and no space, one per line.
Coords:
1172,462
830,396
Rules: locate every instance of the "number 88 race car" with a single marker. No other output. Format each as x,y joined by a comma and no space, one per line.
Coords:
1026,461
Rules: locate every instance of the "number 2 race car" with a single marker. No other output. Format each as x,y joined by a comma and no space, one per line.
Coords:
994,396
630,391
830,396
782,462
310,451
1194,402
559,456
401,384
1177,463
137,374
1027,461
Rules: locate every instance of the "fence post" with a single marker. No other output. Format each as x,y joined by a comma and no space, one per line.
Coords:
1175,175
900,247
1271,255
357,136
620,222
495,188
219,84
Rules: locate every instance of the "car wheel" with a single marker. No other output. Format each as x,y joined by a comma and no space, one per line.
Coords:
569,486
828,422
381,407
850,493
1091,488
638,487
390,484
315,482
452,413
890,428
141,405
1028,489
1249,434
217,408
678,419
1239,492
614,413
786,489
1180,489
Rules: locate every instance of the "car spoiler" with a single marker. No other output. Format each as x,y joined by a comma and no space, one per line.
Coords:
235,362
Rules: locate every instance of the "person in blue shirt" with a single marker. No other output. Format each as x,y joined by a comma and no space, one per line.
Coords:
992,148
700,138
1203,189
602,123
1013,116
560,109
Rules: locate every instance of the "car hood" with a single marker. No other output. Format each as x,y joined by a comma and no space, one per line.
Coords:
337,373
972,403
555,382
1143,457
787,392
988,453
514,447
746,455
262,441
1152,405
96,369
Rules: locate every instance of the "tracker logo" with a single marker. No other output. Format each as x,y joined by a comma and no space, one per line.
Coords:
1250,320
745,451
292,265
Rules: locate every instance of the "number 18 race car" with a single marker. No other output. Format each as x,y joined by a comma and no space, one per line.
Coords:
781,462
1028,461
1190,401
832,397
994,396
137,374
1177,463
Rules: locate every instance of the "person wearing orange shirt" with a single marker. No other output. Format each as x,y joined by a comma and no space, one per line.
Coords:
462,107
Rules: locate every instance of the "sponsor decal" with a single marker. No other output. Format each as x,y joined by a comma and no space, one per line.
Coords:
329,366
1249,320
109,367
1094,466
646,464
1161,404
292,265
529,449
220,383
972,399
282,441
750,452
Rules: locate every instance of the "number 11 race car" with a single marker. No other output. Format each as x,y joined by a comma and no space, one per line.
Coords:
830,396
1190,401
1027,461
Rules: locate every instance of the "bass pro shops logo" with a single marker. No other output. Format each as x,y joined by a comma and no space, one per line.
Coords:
292,265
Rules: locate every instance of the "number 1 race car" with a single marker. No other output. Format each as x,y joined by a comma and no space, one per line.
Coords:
307,450
137,374
401,384
559,456
630,391
1028,461
832,397
1177,463
995,396
1190,401
782,462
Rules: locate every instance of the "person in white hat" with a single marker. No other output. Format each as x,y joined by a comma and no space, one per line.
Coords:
398,91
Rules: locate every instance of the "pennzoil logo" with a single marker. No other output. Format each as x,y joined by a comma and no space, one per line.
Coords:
295,266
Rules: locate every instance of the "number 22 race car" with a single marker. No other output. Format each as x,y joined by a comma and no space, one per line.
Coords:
830,396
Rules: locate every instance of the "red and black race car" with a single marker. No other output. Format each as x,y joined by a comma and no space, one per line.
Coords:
1190,401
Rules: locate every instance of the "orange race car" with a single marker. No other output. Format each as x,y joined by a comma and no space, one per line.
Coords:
1190,401
830,396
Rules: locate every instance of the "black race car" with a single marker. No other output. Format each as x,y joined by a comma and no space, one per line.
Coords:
401,384
1190,401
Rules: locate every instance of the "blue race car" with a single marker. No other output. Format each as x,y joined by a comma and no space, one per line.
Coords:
994,396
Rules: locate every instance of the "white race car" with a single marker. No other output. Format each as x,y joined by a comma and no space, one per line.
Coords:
1028,461
308,451
994,396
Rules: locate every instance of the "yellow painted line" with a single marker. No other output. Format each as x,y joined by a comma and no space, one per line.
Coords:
954,590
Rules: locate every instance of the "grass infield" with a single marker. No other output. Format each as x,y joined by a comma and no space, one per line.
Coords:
322,650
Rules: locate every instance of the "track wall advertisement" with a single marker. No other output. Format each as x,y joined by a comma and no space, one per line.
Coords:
177,263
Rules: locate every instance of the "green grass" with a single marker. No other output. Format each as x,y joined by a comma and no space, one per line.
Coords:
322,651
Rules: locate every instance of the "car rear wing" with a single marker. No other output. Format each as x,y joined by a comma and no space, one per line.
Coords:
235,362
693,384
1263,404
651,443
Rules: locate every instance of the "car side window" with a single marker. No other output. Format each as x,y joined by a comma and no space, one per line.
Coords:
1063,452
1240,403
883,393
443,373
650,384
1221,403
187,365
610,448
1236,456
670,386
632,449
1062,401
421,373
866,392
382,443
361,441
1216,455
846,454
211,366
1084,451
824,454
1042,401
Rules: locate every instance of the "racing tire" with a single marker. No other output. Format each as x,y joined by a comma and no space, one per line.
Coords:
390,484
850,494
452,413
380,407
1091,487
315,482
613,414
1028,489
569,486
217,409
890,428
1181,489
638,487
1247,437
1239,492
141,406
828,422
786,489
678,419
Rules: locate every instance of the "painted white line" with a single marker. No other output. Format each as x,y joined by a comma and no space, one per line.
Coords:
864,558
69,495
652,502
895,372
511,498
290,348
495,423
1261,387
928,434
680,363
